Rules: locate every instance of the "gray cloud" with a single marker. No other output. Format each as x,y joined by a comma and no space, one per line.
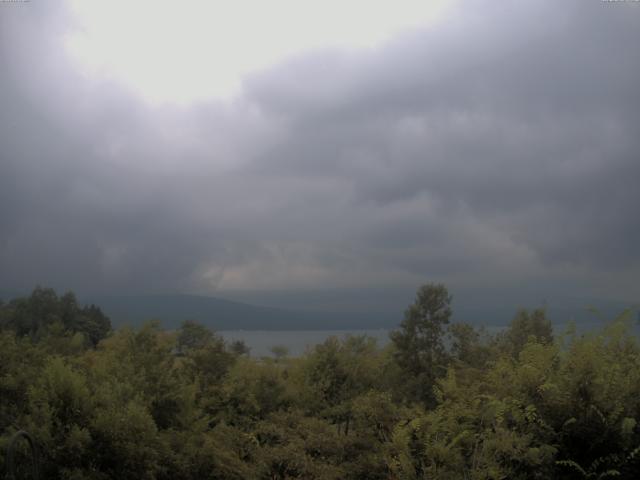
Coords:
498,148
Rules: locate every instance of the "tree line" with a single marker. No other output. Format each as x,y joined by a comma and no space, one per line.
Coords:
442,400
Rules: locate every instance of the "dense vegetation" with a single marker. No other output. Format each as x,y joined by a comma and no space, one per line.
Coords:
442,401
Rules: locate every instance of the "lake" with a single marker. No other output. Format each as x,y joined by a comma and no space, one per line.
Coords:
297,341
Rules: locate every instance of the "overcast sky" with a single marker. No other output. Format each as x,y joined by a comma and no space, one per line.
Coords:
199,148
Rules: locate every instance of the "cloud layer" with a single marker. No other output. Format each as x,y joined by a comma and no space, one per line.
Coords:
497,148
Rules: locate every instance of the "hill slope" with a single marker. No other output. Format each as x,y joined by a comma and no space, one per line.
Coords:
221,314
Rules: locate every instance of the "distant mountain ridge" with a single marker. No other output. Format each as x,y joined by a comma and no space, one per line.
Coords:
220,314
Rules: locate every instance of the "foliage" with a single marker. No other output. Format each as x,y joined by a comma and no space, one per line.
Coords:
420,351
147,403
43,310
525,326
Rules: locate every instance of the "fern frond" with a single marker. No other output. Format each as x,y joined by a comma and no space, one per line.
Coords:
609,473
573,465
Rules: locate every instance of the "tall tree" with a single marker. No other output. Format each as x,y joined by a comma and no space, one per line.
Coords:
192,336
526,326
420,350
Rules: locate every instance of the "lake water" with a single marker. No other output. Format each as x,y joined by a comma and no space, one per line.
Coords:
297,341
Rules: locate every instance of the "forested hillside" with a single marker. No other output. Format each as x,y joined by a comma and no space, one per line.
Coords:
442,401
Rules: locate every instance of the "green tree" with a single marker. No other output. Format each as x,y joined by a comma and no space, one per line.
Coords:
335,373
60,409
193,335
94,324
239,348
280,352
252,391
43,312
420,350
526,326
294,446
468,345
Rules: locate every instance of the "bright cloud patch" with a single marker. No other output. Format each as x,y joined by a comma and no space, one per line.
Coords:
181,52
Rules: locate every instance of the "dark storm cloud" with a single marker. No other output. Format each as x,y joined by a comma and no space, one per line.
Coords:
526,118
500,146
